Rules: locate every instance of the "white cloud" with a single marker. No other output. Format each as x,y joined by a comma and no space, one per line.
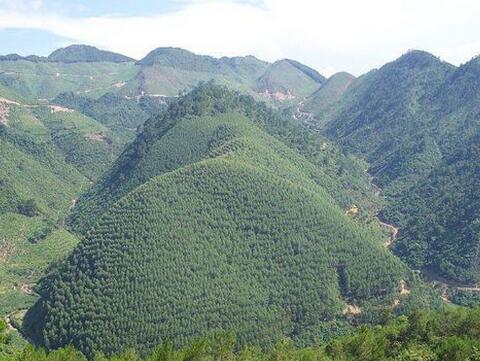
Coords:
346,35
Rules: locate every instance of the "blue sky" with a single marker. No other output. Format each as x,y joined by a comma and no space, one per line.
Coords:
340,35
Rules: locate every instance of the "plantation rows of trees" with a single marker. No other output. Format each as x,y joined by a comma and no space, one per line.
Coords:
223,226
157,150
447,335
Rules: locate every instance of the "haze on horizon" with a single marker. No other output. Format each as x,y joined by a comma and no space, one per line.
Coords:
344,35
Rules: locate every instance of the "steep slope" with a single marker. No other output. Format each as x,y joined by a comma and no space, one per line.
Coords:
86,54
240,235
287,79
153,154
31,165
416,121
120,114
168,71
85,143
37,187
45,80
324,100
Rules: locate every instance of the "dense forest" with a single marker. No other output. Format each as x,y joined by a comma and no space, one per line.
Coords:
235,229
152,154
447,335
255,216
416,122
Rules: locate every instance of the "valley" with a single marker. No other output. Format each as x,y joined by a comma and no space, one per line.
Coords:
172,199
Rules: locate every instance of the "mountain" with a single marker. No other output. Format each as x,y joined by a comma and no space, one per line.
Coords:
168,71
416,121
342,175
86,54
122,115
45,80
37,188
217,223
287,79
50,154
323,101
164,72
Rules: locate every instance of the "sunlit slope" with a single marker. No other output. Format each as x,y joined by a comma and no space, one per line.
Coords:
177,138
45,80
241,238
416,121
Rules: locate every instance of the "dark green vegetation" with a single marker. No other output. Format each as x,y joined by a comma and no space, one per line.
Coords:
156,152
51,153
48,155
447,335
235,229
417,123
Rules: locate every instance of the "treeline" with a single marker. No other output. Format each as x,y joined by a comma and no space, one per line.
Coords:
446,335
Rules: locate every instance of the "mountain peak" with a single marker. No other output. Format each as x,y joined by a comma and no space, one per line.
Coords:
418,58
79,53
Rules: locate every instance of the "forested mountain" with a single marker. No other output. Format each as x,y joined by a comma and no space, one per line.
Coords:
168,71
65,118
86,54
343,176
36,81
123,115
287,79
234,229
199,209
91,72
416,122
49,155
323,102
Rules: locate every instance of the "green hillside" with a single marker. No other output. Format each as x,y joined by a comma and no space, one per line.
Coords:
49,153
37,190
287,80
168,71
86,54
165,146
231,230
324,100
45,80
122,115
416,122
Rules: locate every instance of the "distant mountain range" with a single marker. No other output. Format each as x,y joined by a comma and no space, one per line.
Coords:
164,71
190,193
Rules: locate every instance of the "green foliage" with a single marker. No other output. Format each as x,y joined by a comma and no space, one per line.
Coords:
289,78
324,101
45,80
86,53
445,335
121,115
215,224
172,140
28,208
416,122
28,246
